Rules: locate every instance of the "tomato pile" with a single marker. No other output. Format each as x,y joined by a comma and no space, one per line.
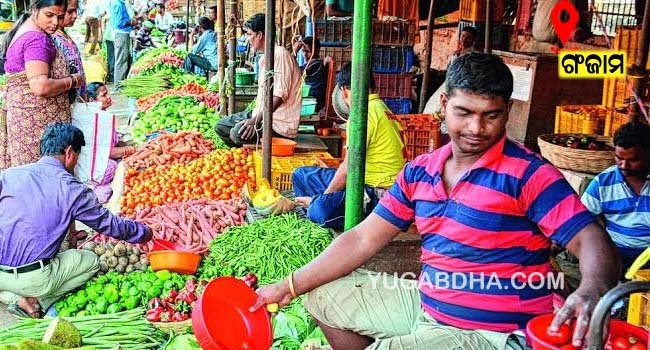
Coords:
219,175
563,337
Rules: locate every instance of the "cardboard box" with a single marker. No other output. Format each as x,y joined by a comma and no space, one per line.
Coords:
578,181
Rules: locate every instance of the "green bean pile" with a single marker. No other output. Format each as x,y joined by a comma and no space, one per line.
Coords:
271,248
129,329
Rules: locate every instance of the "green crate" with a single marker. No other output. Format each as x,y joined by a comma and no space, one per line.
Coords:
305,90
308,106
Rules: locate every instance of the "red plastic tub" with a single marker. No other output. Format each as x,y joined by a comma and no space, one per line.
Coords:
617,328
221,320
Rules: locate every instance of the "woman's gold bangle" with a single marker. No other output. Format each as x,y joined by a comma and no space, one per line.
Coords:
291,289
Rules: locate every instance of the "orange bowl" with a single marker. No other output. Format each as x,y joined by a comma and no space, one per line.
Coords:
282,147
181,262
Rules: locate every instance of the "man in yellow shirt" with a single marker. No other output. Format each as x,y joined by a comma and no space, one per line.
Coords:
323,189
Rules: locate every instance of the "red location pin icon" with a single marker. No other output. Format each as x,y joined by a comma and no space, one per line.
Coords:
564,29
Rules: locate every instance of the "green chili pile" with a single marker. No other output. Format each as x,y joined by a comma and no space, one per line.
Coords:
271,248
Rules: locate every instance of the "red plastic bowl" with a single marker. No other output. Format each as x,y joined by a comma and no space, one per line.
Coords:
221,320
617,328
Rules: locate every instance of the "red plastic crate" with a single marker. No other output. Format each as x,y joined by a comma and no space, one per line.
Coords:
340,55
393,85
421,132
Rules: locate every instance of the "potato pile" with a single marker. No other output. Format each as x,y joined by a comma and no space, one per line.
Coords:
119,257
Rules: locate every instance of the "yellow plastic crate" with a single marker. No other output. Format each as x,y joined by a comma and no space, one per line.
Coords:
580,119
638,313
283,167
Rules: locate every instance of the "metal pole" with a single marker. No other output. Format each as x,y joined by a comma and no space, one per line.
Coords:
187,27
267,80
641,63
221,48
357,125
424,91
232,55
488,27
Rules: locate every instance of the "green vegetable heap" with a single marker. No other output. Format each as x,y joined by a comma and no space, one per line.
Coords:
176,113
114,292
149,54
295,329
271,248
123,330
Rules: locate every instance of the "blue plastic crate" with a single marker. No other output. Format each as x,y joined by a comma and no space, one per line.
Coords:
398,105
392,59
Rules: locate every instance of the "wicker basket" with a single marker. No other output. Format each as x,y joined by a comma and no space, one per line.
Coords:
175,327
580,160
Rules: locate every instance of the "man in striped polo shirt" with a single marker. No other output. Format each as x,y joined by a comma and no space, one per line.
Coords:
621,194
487,210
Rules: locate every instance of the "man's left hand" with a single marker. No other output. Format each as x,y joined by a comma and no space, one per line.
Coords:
75,237
248,128
579,305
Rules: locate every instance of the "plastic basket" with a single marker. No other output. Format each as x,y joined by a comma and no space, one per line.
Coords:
638,313
338,32
334,32
421,133
398,105
305,90
580,119
393,85
173,327
474,10
308,106
392,59
393,32
282,167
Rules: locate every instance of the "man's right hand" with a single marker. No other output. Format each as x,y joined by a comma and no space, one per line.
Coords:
277,293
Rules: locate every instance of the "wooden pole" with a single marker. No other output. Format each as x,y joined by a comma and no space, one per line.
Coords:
426,77
641,63
187,27
232,53
488,27
221,50
267,80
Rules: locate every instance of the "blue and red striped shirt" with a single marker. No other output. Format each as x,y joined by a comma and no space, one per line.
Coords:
490,237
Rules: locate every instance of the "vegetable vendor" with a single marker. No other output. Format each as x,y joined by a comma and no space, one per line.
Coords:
245,127
314,69
204,54
620,195
487,209
38,203
323,189
164,19
143,37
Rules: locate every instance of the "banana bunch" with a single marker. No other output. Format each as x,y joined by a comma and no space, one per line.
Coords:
268,201
265,195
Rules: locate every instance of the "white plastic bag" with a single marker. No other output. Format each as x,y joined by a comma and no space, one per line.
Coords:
98,128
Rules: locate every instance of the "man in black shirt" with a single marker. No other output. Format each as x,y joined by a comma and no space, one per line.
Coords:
314,69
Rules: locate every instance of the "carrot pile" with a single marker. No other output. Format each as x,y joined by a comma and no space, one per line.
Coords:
210,99
220,174
167,58
191,89
194,224
170,148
